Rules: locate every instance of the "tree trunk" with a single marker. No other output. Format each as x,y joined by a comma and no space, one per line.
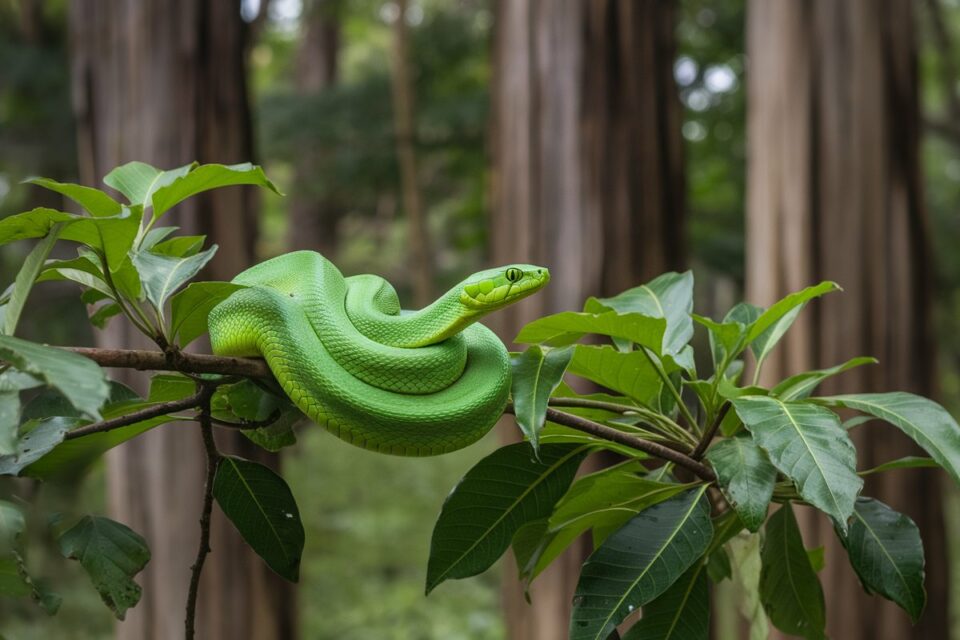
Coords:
587,181
164,82
314,216
835,192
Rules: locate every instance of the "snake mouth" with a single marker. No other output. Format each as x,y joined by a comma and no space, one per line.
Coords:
496,288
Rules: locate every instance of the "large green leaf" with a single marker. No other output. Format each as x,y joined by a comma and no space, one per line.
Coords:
536,373
886,551
163,275
682,612
26,276
569,326
808,445
111,554
79,379
925,421
639,562
501,493
746,477
668,296
632,373
93,200
603,500
204,178
802,384
35,223
259,504
190,308
138,181
789,587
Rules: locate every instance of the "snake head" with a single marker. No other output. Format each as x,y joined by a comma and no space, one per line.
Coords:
496,288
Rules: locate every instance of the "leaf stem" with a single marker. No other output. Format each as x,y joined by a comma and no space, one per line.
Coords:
711,432
653,419
205,392
684,410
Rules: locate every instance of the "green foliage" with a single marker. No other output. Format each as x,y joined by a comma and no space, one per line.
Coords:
544,370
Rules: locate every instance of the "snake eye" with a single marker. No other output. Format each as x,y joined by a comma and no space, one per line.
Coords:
513,274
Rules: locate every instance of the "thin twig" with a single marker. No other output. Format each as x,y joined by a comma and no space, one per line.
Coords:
712,431
137,416
613,435
144,360
655,420
213,460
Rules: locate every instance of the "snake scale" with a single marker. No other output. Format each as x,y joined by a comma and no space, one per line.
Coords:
408,383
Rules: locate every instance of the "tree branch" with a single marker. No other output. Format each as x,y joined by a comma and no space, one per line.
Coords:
213,461
144,360
712,431
155,411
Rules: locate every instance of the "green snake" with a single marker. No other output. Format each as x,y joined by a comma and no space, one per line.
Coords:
408,383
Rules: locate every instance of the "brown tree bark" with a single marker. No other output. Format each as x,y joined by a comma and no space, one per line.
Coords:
314,216
835,192
587,181
164,82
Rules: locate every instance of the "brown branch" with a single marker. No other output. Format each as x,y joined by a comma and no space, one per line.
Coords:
613,435
712,431
213,461
144,360
137,416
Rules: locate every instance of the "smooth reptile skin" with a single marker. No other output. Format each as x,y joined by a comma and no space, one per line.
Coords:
407,383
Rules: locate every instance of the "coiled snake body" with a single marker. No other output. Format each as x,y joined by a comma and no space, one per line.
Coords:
407,383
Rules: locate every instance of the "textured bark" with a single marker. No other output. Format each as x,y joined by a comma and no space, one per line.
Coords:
163,82
587,181
835,192
314,216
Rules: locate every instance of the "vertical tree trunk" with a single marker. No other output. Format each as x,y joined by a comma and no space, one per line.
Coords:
404,128
835,192
588,181
314,216
164,82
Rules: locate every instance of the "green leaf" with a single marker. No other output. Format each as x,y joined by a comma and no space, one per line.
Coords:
604,501
93,200
26,277
817,558
9,420
886,551
774,318
923,420
682,612
719,567
501,493
85,271
78,378
906,462
112,236
138,181
746,478
155,236
726,338
35,223
12,524
536,373
245,401
569,326
190,308
204,178
668,296
163,275
40,437
789,587
102,315
111,553
801,385
631,373
639,562
180,247
259,504
808,445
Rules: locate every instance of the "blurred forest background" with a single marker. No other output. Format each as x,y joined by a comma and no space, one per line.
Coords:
423,139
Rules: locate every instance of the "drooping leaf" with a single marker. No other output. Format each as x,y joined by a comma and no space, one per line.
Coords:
260,505
536,373
808,445
96,202
501,493
746,477
639,562
40,437
80,379
190,308
923,420
801,385
138,181
789,587
906,462
886,551
163,275
35,223
682,612
569,326
204,178
632,374
26,277
112,554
